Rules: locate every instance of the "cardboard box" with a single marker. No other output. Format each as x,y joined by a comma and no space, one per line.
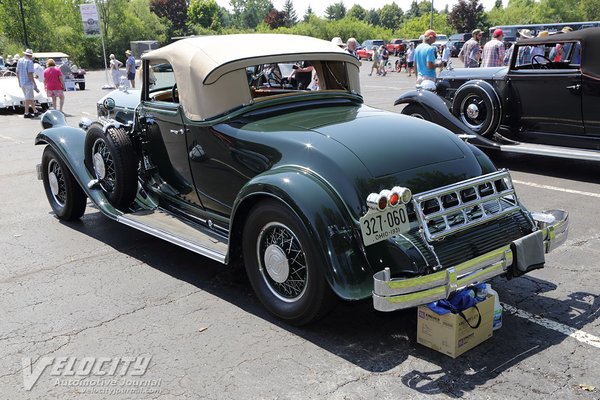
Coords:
449,333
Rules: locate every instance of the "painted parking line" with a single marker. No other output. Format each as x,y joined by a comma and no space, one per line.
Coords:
11,139
558,189
555,326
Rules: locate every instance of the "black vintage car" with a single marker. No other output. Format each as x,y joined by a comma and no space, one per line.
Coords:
545,101
313,192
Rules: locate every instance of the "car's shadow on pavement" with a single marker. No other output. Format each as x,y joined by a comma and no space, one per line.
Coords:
374,341
577,170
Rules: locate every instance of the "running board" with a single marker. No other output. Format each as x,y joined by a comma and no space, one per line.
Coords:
552,151
189,236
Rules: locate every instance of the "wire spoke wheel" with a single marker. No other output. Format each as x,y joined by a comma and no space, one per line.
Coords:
283,263
66,198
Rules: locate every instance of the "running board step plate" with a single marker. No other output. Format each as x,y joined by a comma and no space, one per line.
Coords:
552,151
165,226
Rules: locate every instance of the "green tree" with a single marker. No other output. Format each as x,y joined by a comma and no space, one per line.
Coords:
373,17
358,12
247,14
309,12
205,13
335,11
425,7
413,11
516,12
173,13
290,14
467,15
390,16
415,27
590,10
558,11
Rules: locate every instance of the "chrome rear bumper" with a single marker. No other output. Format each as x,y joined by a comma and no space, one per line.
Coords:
394,294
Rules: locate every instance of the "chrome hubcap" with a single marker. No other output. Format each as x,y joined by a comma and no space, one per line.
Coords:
56,181
472,111
276,263
53,181
99,167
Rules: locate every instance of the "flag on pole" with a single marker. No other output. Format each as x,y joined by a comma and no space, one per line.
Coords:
90,19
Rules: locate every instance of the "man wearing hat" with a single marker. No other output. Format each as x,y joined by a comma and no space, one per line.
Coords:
130,68
470,53
523,57
425,56
493,51
27,83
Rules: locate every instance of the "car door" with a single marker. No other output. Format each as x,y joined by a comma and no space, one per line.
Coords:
167,138
591,105
547,101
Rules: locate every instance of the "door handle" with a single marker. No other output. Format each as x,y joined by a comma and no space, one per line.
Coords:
177,131
574,87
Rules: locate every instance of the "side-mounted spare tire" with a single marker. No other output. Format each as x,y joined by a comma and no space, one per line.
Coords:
110,157
477,105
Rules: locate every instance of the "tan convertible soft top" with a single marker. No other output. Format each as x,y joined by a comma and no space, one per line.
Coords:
210,70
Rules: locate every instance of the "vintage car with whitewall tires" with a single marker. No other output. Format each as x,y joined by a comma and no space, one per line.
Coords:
317,195
545,101
12,96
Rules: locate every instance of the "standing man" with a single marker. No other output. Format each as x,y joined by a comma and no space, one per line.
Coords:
471,50
493,51
425,56
130,68
351,45
27,83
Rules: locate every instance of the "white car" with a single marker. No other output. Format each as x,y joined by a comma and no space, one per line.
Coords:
11,95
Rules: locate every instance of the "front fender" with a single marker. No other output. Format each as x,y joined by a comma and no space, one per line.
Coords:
439,110
69,144
325,217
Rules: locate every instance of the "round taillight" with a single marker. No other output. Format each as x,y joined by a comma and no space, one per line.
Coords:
384,197
405,196
394,199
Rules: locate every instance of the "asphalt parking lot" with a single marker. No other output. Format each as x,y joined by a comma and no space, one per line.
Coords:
75,293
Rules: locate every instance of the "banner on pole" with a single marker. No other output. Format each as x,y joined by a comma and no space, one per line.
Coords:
89,17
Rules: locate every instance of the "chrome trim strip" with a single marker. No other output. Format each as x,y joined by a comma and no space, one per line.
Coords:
391,294
214,255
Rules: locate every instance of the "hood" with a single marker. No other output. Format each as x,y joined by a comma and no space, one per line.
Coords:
489,73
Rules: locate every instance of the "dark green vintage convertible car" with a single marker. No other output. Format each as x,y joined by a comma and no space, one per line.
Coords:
315,193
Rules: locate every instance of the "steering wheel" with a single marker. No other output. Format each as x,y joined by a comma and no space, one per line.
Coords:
175,93
535,60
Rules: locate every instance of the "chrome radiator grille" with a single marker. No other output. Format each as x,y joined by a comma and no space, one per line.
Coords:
454,208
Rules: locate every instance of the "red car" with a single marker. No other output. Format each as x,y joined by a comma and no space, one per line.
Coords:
365,52
396,47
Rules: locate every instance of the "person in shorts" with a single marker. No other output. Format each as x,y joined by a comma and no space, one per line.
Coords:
410,59
54,82
130,68
27,83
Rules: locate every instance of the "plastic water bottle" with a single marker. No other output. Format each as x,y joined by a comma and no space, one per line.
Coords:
497,324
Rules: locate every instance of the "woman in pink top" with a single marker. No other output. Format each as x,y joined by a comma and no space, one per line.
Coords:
54,83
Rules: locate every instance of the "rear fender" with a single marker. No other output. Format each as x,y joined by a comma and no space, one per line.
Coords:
439,110
325,217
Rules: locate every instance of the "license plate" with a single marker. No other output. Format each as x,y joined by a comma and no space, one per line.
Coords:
376,226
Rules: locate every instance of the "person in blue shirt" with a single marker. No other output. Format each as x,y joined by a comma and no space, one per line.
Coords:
425,55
